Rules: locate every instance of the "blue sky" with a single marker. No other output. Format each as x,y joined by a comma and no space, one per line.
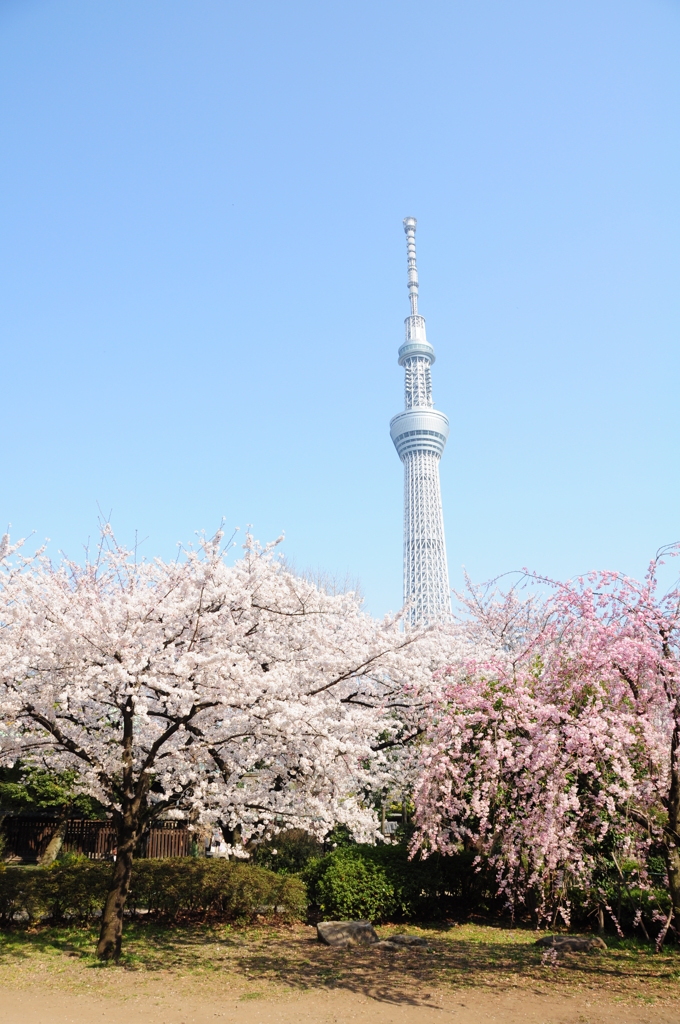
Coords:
203,281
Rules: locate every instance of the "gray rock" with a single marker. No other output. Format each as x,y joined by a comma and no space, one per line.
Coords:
387,946
571,943
346,933
408,940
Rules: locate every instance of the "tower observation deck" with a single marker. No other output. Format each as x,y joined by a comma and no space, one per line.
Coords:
419,435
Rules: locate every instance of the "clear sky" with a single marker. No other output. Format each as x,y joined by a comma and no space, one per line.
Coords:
203,279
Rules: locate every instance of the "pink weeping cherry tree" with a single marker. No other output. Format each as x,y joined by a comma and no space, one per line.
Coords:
231,692
565,733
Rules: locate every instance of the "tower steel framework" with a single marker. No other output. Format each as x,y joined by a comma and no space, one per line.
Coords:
419,434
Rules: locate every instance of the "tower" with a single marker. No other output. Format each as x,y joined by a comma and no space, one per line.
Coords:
419,434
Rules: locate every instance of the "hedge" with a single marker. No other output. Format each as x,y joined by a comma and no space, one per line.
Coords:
381,883
170,890
375,882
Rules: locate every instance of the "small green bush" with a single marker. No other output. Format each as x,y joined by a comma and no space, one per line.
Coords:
354,887
381,883
172,890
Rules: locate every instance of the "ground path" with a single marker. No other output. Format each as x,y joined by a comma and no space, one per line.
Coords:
469,975
39,1006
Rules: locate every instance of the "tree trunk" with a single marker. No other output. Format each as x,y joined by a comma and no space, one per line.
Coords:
54,846
673,871
111,933
671,839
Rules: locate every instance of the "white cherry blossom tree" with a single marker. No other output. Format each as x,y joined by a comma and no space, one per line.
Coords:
237,692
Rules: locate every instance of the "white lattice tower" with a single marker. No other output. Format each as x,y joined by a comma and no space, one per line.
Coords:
419,434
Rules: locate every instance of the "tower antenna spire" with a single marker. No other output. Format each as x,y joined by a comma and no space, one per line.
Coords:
419,434
410,229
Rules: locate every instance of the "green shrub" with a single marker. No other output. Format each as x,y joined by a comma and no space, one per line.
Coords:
173,890
57,893
382,884
351,887
220,889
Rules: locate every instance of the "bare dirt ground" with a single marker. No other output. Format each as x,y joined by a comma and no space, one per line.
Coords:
332,1007
267,976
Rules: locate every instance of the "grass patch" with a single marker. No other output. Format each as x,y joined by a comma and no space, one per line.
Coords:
290,957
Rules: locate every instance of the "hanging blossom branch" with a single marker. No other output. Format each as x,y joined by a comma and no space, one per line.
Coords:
564,736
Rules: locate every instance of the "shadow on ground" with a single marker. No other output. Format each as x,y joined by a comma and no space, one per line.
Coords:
303,963
463,956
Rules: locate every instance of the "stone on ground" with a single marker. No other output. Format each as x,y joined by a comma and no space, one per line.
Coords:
572,943
346,933
408,940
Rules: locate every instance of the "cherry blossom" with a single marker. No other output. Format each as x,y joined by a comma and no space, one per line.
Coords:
564,735
236,693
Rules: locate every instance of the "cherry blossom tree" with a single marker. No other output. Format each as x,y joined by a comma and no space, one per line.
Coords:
563,737
231,692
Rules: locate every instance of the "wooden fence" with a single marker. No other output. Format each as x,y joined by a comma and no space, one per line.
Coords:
26,838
